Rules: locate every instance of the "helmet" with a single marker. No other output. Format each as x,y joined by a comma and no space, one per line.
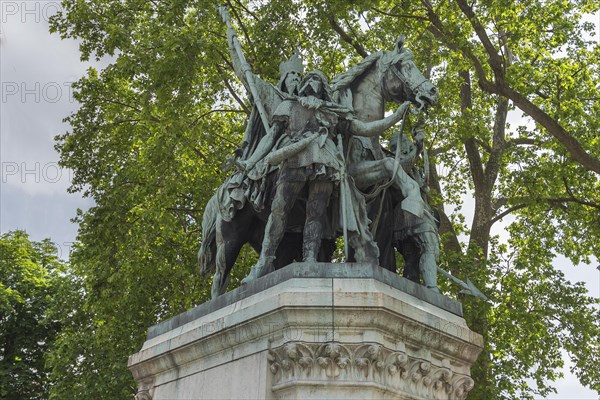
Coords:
294,63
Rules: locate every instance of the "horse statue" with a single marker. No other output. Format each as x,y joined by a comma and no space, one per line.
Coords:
391,76
383,76
222,240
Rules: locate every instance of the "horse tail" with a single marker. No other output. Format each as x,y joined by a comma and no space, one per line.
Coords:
208,249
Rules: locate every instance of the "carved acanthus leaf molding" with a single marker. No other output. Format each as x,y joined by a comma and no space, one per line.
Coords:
145,389
143,395
319,363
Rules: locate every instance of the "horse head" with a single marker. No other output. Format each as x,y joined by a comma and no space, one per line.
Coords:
401,80
380,77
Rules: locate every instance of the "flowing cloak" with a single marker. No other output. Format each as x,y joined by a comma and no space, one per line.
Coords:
241,187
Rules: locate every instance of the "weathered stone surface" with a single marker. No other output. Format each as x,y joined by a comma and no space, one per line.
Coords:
312,270
342,333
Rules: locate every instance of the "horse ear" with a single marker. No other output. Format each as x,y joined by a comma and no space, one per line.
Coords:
400,42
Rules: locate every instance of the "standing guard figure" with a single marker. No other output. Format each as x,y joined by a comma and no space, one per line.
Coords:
416,237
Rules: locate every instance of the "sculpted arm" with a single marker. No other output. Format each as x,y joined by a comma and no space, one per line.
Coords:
265,145
374,128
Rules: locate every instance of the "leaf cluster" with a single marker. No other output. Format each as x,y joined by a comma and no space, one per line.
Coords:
32,279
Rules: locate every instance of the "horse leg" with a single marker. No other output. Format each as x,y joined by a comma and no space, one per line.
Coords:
208,247
430,253
411,252
285,196
316,205
327,250
383,239
219,278
227,252
289,250
380,213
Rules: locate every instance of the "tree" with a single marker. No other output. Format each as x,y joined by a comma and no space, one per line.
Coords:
30,279
154,128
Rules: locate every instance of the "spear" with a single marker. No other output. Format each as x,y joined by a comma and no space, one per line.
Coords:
232,35
468,287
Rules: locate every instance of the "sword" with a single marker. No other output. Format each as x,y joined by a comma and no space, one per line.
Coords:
232,34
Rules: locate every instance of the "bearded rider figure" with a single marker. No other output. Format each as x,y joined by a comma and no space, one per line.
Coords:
240,187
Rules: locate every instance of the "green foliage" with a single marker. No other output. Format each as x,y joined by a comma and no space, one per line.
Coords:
31,281
154,127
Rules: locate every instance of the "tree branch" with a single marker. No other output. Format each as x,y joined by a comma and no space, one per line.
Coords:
498,142
437,28
561,200
473,156
501,202
243,7
419,17
195,122
484,145
506,212
105,100
199,153
495,60
439,150
230,89
184,210
550,201
500,87
575,149
523,141
123,121
567,188
346,38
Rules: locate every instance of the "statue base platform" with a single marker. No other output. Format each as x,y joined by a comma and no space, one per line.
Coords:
313,331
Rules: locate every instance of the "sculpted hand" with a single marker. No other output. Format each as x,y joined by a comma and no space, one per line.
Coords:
419,136
402,108
243,165
310,102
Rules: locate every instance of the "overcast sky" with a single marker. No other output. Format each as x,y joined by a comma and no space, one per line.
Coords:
36,70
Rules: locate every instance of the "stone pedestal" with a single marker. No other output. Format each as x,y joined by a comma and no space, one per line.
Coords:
313,331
